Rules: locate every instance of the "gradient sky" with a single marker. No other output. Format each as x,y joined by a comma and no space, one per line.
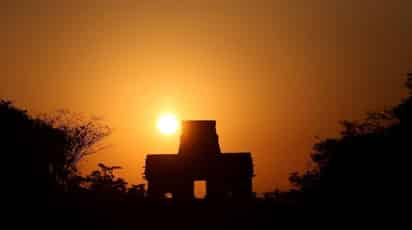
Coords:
274,74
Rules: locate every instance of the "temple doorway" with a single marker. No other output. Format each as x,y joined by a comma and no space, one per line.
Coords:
200,189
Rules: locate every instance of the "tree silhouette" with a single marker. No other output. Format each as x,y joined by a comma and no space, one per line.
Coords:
47,148
364,159
33,149
83,137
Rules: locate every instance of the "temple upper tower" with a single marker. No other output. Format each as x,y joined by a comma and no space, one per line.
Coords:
199,140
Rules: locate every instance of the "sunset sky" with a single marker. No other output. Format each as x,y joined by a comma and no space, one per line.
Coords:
274,74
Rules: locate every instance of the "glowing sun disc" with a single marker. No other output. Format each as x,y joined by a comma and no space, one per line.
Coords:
167,124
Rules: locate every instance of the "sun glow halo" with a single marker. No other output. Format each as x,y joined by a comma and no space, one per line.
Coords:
167,124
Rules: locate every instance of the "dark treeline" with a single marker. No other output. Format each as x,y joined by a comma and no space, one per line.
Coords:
362,169
366,165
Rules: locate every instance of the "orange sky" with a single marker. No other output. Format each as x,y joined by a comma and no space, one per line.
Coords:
274,74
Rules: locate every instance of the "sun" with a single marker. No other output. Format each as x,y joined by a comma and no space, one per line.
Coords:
167,124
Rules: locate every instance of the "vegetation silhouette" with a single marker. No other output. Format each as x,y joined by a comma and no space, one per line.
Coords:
48,147
363,167
360,169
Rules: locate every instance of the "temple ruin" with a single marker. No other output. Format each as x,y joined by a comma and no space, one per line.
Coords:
227,175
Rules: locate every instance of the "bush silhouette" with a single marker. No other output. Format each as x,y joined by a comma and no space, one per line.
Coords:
104,181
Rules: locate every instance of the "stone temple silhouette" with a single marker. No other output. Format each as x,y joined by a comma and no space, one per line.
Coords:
199,158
